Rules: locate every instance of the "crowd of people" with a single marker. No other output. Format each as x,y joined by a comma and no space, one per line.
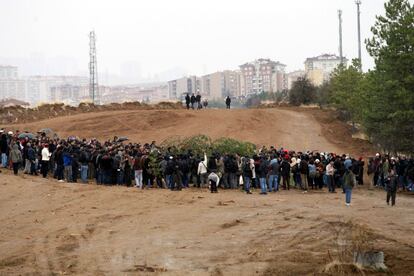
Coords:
119,162
196,102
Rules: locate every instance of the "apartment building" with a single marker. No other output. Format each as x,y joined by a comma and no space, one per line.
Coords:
319,69
262,75
39,88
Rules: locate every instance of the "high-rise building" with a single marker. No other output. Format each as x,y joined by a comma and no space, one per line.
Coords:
12,89
319,69
219,85
232,83
8,72
212,85
262,75
10,84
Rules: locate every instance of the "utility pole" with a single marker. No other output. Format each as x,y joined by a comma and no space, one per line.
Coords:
358,3
341,56
93,68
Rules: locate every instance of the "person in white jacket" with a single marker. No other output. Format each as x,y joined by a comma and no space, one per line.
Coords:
330,170
203,171
45,160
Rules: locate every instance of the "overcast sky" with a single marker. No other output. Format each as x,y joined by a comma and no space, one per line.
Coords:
193,36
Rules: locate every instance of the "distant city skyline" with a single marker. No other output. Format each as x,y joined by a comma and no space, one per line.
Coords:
139,41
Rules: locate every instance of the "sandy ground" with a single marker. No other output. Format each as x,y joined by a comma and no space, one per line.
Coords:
49,228
288,128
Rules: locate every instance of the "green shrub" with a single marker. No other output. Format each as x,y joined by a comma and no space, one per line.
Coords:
201,144
229,145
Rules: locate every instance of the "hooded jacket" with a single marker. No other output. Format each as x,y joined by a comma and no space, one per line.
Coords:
349,179
15,154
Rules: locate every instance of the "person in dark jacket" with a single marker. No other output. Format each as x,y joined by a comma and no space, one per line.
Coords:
228,102
31,155
75,167
391,186
401,171
261,174
67,163
232,169
193,101
247,173
106,168
360,174
187,101
84,159
4,149
304,173
58,157
348,185
198,101
274,171
184,165
285,173
169,172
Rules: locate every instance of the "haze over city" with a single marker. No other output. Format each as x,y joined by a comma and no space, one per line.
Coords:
159,40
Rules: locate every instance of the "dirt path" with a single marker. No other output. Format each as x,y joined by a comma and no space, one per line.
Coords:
288,128
50,228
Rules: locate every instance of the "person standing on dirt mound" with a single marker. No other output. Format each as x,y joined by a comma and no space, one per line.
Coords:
187,101
192,101
205,103
228,102
198,101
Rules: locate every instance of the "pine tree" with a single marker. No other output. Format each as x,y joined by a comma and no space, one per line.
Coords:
389,110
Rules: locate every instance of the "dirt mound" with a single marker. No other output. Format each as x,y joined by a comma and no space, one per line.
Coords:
19,114
292,128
